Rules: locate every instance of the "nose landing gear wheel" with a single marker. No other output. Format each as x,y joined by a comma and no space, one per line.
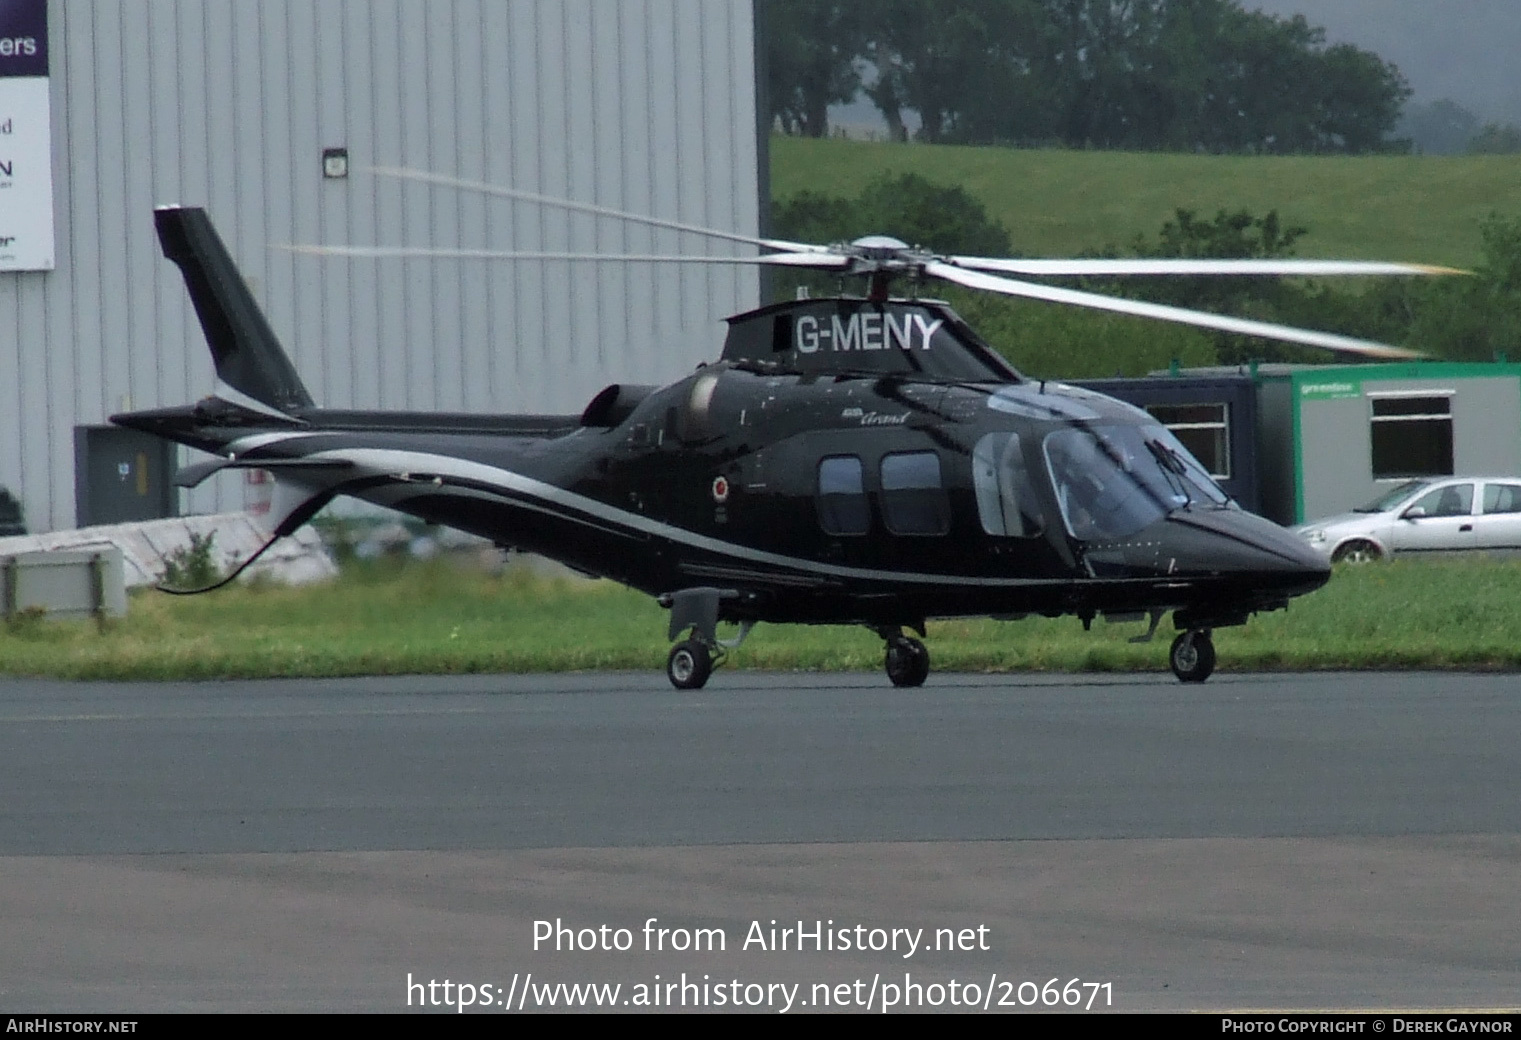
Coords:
689,665
907,662
1192,656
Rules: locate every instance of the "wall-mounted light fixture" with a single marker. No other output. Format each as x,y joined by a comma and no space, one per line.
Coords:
335,163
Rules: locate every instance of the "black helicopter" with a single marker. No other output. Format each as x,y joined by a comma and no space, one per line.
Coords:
854,460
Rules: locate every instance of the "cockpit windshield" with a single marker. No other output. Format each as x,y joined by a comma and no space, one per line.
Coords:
1114,480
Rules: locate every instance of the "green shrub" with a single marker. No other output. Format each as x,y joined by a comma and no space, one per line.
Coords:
192,566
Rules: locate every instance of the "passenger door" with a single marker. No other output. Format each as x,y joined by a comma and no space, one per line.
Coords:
1498,525
1440,519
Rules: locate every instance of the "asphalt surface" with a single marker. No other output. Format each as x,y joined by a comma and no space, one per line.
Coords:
1337,840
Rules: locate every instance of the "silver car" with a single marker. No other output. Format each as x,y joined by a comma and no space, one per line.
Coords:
1440,514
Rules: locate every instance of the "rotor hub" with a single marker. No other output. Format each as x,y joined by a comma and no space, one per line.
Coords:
878,247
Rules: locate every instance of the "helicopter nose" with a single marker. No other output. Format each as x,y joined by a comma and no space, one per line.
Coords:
1256,557
1235,541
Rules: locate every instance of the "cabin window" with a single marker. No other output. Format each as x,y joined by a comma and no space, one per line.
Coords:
913,495
1456,500
1204,430
1005,497
1502,498
1412,436
842,496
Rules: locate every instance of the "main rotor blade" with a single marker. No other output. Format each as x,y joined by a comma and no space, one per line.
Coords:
822,261
1299,268
1162,312
586,207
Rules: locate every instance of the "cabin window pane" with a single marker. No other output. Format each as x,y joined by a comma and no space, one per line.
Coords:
842,496
1204,430
1005,499
913,494
1412,437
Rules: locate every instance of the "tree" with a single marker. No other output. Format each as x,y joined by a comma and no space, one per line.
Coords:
1229,236
944,218
1495,139
1477,318
1182,74
812,47
1357,102
1441,128
1240,235
943,60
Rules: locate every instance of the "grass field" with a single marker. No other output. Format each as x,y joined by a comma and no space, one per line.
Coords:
1416,208
438,618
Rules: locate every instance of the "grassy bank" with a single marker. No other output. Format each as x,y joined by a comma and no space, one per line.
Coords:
435,618
1418,208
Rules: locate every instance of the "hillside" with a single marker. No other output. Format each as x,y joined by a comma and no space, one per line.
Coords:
1417,208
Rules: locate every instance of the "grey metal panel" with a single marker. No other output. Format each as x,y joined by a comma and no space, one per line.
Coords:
637,282
11,349
323,213
1336,455
524,224
75,386
1486,426
472,377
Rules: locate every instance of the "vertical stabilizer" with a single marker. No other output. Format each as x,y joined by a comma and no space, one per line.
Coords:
249,360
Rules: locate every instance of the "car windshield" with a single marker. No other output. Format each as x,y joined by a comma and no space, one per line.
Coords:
1393,497
1112,481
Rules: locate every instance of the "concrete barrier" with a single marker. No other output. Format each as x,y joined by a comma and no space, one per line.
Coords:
145,546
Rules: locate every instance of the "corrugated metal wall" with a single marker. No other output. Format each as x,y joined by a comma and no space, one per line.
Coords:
642,105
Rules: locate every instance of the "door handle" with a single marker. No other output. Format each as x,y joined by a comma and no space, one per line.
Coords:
1465,527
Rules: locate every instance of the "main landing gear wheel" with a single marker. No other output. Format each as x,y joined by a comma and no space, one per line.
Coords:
907,661
1192,656
689,665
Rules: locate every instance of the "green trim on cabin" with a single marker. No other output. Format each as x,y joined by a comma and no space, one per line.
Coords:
1394,370
1397,370
1298,454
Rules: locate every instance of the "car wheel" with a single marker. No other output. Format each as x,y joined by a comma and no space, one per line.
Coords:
1356,551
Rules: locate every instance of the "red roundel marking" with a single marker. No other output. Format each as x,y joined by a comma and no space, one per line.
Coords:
720,489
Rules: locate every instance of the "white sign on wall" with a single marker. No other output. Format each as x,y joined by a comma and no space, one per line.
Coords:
26,138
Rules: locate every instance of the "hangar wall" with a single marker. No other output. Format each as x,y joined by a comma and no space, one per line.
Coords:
642,105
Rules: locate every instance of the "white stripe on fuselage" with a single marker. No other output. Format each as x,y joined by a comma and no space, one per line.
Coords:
393,462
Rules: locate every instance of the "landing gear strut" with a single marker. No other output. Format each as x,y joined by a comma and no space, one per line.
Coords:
1193,655
907,660
695,612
